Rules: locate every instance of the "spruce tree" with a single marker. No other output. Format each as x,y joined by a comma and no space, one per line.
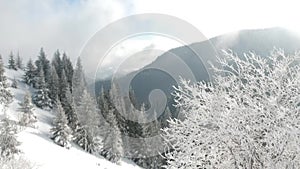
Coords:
5,94
61,132
53,86
29,77
63,88
26,107
146,147
12,62
19,63
118,106
79,84
14,83
72,115
68,68
89,120
43,63
57,63
41,98
104,103
8,141
67,101
113,143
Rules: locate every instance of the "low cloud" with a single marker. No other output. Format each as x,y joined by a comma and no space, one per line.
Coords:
28,25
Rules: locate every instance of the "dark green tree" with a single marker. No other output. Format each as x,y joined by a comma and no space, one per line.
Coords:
19,62
43,63
41,97
12,62
53,86
30,73
68,68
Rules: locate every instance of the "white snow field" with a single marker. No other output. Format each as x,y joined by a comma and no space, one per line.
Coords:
40,150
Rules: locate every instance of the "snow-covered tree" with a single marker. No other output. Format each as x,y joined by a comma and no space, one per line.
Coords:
89,119
68,68
53,86
145,149
247,118
63,88
43,63
14,83
5,94
57,63
8,141
111,105
61,132
26,107
41,96
30,73
67,102
117,104
19,63
79,84
112,143
12,62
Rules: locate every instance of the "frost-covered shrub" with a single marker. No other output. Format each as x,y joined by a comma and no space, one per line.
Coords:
17,163
249,117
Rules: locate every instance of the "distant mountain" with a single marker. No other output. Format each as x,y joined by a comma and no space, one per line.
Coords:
183,61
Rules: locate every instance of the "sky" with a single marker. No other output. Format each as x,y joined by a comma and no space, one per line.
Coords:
68,25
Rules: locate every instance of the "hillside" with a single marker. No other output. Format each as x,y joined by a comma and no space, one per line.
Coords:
39,149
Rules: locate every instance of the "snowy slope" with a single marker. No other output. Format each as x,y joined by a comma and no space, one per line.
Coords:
39,149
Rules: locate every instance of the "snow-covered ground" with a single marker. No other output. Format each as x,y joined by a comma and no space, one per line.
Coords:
39,149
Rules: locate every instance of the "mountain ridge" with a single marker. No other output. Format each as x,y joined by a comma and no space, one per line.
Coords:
188,65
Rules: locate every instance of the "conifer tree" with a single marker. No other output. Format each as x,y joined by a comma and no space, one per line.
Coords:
41,98
14,83
26,107
5,94
30,73
61,132
12,62
112,143
67,101
118,106
57,63
90,121
19,63
43,63
63,88
8,141
104,103
53,86
79,84
68,68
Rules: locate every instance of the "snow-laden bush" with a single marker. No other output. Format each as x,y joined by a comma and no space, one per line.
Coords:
249,117
17,163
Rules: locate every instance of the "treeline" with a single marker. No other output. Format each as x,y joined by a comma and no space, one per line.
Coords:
99,125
